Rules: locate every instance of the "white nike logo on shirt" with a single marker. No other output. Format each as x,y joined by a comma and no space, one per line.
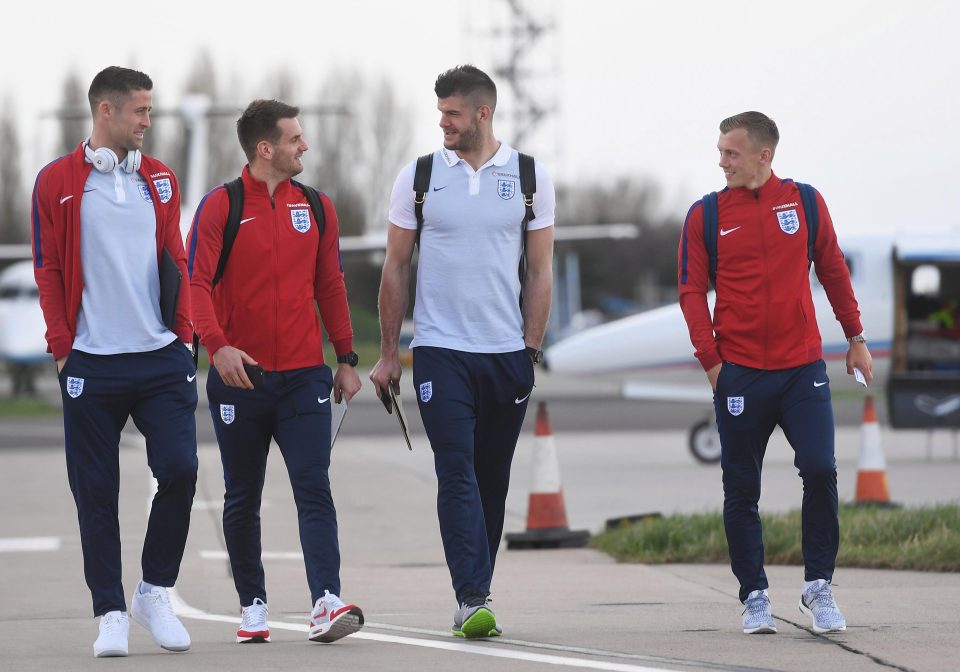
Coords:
816,384
322,401
65,199
190,379
724,232
520,401
244,221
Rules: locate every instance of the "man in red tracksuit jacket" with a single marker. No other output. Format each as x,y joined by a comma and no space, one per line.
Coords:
762,354
104,217
263,315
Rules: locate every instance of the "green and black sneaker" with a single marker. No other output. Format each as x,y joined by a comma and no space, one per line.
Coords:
474,619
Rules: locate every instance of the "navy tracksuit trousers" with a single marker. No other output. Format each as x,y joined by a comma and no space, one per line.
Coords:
292,407
159,391
472,406
749,403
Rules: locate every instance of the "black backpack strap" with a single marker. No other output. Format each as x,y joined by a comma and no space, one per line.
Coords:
313,198
528,188
235,198
421,185
808,197
711,219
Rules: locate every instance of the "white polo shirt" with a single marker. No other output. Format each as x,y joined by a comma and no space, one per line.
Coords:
120,306
468,289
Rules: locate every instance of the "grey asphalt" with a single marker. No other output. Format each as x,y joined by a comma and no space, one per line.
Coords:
558,608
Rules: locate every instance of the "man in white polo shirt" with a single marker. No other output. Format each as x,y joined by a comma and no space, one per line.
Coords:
475,342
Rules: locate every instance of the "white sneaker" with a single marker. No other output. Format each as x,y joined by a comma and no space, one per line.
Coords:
758,615
254,627
331,619
817,602
114,632
153,611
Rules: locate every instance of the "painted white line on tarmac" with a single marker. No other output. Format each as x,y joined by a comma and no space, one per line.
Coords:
495,651
29,544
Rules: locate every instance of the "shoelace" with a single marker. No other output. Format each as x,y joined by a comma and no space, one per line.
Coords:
111,623
822,597
757,606
161,605
255,615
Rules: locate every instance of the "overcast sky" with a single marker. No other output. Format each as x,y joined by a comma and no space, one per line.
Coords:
866,94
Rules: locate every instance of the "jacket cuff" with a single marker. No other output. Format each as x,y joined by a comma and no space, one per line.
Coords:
710,359
343,347
60,348
214,343
851,329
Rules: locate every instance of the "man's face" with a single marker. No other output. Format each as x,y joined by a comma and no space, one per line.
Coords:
128,122
287,151
458,119
742,160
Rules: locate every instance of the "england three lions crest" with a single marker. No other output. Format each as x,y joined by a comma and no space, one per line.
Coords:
735,405
227,413
426,391
164,189
789,221
506,189
300,218
74,387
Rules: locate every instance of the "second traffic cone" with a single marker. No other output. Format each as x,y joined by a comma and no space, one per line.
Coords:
872,486
546,513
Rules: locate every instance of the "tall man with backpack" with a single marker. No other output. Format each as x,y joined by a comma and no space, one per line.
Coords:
263,256
762,353
479,211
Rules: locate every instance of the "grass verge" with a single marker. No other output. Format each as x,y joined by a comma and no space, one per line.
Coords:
922,539
25,407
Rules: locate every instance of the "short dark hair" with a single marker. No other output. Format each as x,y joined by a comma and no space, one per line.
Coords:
467,80
760,128
115,84
259,122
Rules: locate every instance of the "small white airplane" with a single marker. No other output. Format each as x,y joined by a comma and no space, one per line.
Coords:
22,343
896,282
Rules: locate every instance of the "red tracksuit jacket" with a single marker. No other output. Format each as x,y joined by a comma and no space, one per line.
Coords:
764,316
278,267
55,222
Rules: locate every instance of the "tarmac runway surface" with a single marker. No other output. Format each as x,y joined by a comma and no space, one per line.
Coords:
566,608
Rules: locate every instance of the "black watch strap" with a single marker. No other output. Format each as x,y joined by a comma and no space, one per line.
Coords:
536,356
350,358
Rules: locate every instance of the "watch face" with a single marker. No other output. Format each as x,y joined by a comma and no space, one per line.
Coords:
350,358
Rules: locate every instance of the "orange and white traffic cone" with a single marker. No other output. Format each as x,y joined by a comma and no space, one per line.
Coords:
546,513
872,486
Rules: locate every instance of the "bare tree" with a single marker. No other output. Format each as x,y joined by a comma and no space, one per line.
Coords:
14,224
74,127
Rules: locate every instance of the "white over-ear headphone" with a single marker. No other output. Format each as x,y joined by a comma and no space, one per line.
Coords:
105,159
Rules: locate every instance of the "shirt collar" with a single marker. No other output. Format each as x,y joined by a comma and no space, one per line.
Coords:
499,159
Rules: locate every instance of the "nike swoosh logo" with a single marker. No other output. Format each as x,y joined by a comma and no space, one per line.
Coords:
87,191
724,232
522,399
190,379
439,188
322,613
244,221
322,401
65,199
816,384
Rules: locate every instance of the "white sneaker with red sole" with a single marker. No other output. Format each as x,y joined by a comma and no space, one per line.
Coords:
254,629
331,619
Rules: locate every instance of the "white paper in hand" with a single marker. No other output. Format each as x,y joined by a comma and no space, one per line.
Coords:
858,374
338,411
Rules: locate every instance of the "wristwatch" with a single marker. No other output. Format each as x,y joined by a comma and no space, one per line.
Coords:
536,356
350,358
859,338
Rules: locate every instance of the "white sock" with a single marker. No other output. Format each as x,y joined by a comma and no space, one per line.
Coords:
755,593
807,585
146,587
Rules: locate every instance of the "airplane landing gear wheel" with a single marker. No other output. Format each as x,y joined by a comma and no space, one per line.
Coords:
705,442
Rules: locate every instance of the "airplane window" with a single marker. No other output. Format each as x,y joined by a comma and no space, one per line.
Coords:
925,280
